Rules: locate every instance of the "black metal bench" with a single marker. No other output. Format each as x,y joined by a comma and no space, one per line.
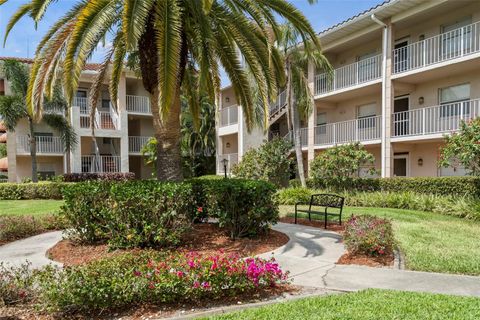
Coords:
326,201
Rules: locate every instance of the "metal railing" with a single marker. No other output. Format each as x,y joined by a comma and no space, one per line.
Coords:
108,120
443,47
232,160
437,119
228,116
82,103
350,75
279,103
136,143
138,104
103,164
361,130
45,145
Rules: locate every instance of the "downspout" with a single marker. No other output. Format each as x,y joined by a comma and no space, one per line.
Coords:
384,91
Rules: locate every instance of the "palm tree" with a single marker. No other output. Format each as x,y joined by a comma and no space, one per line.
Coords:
13,108
173,39
297,59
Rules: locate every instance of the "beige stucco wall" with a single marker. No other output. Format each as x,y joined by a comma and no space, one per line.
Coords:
232,139
427,151
140,126
44,163
228,94
347,110
138,166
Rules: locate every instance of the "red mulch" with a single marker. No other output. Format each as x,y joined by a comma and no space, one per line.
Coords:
204,238
315,223
364,260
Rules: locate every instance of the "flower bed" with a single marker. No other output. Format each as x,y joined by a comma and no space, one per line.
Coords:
132,280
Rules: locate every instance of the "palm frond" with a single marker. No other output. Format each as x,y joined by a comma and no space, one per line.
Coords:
134,17
22,11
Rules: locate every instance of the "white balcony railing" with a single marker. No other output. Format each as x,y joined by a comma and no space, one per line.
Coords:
437,119
443,47
232,160
228,116
45,145
103,164
108,120
350,75
361,130
279,103
82,103
136,144
138,104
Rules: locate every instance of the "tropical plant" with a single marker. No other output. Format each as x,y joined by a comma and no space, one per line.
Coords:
463,148
174,40
13,108
338,166
297,59
3,150
269,162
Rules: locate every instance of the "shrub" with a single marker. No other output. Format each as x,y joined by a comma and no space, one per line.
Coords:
130,214
269,162
18,227
113,176
16,284
131,279
336,167
292,196
245,208
368,235
447,186
26,191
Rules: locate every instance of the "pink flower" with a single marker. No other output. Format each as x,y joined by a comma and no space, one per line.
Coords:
180,274
196,284
200,209
137,273
205,285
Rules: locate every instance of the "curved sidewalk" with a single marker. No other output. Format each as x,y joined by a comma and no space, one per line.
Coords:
311,253
33,249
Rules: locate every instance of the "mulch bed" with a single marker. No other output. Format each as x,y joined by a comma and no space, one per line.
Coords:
204,238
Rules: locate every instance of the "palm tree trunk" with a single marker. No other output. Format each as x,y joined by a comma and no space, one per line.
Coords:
33,151
296,129
68,151
167,133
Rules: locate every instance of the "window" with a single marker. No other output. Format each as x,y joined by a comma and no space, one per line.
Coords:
456,37
367,67
366,116
454,100
321,123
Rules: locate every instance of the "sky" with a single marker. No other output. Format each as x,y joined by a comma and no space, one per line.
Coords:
24,38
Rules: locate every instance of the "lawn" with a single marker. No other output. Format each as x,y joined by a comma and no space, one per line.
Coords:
29,207
369,304
430,242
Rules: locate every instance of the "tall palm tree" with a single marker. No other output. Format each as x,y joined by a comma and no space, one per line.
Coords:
173,38
299,96
13,108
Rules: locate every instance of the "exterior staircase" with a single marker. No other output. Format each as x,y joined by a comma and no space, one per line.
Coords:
278,108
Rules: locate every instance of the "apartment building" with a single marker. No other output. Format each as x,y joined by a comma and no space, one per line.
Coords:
406,74
121,132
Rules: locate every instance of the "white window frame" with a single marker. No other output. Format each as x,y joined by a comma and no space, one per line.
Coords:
407,162
463,103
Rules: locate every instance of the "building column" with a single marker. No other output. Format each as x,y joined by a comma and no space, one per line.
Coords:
76,152
387,102
312,116
123,117
12,156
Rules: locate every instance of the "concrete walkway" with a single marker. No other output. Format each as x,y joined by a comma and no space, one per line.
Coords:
33,249
311,253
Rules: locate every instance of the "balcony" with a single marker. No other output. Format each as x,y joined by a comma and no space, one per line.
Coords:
136,144
436,120
102,164
349,76
358,130
232,160
46,145
228,116
278,107
138,105
108,120
458,43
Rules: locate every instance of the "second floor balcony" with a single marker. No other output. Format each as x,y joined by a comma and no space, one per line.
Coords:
103,119
138,105
457,43
355,74
136,144
228,116
46,145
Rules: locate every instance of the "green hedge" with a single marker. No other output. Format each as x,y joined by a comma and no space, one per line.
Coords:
27,191
447,186
152,214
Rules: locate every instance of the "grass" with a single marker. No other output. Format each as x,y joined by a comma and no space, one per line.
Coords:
430,242
29,207
368,304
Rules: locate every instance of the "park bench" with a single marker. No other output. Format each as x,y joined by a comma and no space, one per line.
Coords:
317,201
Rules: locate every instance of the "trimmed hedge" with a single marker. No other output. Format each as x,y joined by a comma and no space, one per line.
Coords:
27,191
113,176
447,186
156,214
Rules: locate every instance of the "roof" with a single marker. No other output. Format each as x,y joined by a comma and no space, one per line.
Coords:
87,67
